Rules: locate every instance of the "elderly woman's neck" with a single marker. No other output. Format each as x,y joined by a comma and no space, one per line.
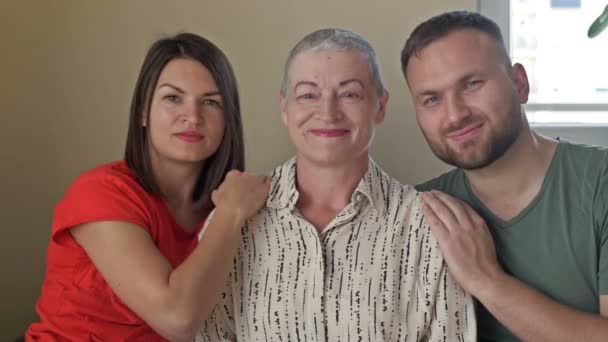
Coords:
328,186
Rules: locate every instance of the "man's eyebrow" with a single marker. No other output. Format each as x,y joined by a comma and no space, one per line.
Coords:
426,93
463,79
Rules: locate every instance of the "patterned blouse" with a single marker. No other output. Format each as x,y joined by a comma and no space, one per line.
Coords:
375,273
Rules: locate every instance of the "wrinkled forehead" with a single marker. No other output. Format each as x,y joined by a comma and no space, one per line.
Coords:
328,65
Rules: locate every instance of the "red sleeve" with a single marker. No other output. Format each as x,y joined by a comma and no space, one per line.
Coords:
102,196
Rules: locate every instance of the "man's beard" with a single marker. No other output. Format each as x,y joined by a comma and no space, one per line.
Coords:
484,154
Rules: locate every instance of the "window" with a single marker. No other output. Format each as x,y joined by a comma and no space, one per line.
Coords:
568,71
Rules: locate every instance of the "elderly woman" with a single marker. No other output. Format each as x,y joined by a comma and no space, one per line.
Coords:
342,251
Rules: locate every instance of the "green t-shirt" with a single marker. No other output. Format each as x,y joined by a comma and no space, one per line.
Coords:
558,244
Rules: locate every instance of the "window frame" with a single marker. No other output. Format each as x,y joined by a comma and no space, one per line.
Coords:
500,12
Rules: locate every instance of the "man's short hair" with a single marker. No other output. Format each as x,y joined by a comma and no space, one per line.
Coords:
441,25
336,40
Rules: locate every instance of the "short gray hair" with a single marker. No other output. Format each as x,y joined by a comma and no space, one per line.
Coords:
336,40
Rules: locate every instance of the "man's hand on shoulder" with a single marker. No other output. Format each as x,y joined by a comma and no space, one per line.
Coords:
464,240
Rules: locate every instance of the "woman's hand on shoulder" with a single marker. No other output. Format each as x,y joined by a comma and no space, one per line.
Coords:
241,194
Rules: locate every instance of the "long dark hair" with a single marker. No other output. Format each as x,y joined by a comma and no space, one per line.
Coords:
229,155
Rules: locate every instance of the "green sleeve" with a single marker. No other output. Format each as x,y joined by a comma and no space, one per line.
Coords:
433,184
448,182
424,186
600,213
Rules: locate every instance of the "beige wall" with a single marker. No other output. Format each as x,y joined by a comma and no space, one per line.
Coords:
67,69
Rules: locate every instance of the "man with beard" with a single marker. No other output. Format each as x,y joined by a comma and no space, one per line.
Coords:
534,251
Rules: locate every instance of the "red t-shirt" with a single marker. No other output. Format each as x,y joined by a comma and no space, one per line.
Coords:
76,303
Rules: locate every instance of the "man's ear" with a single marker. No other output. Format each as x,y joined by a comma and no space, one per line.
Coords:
520,81
381,113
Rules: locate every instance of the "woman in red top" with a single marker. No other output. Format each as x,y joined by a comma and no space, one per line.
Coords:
123,261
